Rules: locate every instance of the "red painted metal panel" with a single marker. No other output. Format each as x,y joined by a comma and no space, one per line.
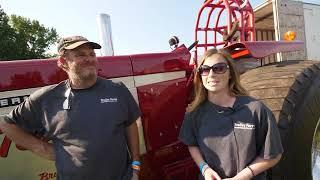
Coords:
159,117
259,49
161,62
41,72
4,149
115,66
29,74
157,165
185,169
163,108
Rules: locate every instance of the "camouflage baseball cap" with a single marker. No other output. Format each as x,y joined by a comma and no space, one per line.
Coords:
74,42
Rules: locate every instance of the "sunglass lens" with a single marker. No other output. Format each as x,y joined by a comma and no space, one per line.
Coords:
220,68
204,70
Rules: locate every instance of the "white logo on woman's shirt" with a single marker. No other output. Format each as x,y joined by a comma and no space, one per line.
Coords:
241,125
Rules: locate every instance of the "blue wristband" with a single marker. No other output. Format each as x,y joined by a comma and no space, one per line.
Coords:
201,165
137,163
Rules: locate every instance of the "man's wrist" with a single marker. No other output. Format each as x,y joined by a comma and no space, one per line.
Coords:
135,157
136,166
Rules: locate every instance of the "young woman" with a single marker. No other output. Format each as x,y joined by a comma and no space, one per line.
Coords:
229,134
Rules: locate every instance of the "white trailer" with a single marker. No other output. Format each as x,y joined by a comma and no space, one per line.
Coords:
274,18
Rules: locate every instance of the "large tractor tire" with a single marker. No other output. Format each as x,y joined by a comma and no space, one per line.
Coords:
291,89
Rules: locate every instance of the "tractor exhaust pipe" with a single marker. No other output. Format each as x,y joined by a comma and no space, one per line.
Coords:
105,35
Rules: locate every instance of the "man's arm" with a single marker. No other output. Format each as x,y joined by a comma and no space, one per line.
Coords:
26,140
133,140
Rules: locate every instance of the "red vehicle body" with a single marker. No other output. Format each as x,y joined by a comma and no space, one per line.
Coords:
160,82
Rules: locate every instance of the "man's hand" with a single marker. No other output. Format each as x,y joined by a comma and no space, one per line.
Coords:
28,141
44,150
135,176
210,174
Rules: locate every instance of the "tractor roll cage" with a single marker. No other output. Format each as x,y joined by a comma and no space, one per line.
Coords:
238,34
240,18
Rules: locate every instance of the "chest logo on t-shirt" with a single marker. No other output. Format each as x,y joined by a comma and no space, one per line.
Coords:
241,125
108,100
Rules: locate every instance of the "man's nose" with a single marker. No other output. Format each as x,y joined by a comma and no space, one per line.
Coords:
88,58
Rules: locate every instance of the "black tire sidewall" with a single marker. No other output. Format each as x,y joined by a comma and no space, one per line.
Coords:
296,160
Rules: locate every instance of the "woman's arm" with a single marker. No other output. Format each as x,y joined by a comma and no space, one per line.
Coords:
256,167
207,172
195,154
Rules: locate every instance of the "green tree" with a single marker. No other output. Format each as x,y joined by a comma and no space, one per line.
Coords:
23,38
8,38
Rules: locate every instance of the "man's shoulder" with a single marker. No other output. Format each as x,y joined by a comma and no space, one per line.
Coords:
47,91
111,84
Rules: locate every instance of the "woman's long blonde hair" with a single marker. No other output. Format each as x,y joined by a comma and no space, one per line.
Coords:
201,93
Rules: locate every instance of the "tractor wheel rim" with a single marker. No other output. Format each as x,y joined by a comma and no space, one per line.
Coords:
315,153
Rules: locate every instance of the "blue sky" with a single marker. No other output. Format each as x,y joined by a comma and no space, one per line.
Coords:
138,26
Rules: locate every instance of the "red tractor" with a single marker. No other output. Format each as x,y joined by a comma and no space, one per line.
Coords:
161,83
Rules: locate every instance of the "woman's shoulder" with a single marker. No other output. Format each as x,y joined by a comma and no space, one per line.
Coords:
251,102
201,109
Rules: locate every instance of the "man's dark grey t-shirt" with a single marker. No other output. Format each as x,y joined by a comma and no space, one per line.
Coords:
87,127
231,138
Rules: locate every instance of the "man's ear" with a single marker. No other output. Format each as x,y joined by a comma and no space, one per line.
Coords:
62,63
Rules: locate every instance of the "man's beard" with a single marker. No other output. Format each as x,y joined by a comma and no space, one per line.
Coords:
83,75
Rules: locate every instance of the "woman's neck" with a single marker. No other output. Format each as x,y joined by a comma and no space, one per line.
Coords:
224,99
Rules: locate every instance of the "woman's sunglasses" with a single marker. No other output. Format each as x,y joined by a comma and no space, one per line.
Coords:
218,68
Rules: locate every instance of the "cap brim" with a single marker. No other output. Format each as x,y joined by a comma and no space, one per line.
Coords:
77,44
